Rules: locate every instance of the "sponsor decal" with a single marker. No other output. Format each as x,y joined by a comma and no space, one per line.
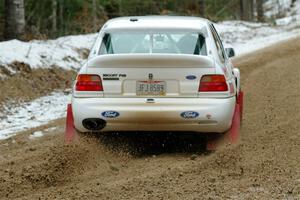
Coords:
189,114
190,77
113,77
110,114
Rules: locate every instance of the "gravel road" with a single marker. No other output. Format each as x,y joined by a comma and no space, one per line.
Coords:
265,164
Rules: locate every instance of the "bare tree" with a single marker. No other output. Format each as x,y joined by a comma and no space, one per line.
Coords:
260,10
202,7
246,9
14,19
94,15
61,16
54,16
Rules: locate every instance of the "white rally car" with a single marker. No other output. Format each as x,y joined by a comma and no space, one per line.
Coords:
156,73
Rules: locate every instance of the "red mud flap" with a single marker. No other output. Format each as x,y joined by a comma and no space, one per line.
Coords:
231,136
70,132
240,101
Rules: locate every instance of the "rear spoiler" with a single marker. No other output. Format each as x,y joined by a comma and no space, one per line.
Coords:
150,60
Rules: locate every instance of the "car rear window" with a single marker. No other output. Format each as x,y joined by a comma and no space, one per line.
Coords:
138,42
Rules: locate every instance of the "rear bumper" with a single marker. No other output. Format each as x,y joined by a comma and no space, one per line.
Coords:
164,114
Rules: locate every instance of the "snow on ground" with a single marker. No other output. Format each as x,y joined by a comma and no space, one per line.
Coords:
292,17
36,134
281,12
245,37
274,8
63,52
33,114
297,7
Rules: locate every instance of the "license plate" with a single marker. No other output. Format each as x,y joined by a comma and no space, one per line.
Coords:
150,88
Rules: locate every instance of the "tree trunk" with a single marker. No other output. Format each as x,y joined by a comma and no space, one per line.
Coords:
14,19
251,2
94,14
54,17
246,8
61,17
241,10
202,7
260,10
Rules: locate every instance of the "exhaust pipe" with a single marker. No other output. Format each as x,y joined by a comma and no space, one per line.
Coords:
94,124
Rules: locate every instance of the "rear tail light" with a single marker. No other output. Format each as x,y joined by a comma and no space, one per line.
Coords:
213,83
88,82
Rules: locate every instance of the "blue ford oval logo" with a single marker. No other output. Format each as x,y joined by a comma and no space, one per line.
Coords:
110,114
189,114
191,77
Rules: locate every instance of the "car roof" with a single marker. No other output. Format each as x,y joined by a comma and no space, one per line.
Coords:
155,22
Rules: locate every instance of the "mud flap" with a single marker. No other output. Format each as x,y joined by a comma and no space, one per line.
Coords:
70,132
231,136
234,132
240,101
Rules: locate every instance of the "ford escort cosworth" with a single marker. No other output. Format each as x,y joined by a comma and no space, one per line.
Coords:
156,73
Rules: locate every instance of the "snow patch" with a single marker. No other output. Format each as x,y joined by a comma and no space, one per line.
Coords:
50,129
274,8
288,20
63,52
33,114
246,37
297,7
36,134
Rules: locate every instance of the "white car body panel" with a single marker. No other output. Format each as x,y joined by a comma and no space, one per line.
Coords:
121,72
164,114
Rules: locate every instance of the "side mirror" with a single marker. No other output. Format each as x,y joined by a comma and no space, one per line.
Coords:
230,52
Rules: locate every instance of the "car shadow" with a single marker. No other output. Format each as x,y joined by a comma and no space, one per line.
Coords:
155,143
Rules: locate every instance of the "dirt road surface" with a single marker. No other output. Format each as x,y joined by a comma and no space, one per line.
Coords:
265,164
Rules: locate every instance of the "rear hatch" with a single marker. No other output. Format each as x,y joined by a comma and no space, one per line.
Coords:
150,75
